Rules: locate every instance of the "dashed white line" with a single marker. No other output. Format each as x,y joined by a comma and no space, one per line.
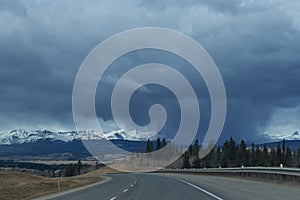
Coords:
135,180
201,189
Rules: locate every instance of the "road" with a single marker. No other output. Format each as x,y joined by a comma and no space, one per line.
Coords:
181,187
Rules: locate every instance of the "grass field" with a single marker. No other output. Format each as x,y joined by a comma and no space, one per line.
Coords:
15,185
103,170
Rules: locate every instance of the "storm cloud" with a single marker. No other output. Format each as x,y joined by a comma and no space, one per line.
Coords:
255,44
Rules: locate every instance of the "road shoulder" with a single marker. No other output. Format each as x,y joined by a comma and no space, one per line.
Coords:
50,196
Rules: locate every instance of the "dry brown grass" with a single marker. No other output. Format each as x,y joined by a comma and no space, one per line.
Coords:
104,170
15,185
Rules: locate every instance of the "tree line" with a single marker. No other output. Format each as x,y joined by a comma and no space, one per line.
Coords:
49,170
233,154
158,145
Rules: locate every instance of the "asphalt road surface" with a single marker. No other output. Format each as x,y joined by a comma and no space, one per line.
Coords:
181,187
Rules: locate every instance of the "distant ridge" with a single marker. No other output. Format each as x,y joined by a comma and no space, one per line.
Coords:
22,136
292,144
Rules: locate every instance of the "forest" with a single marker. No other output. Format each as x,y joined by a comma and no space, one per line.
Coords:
235,154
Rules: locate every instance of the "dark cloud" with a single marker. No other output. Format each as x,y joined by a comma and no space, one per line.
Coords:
255,44
14,7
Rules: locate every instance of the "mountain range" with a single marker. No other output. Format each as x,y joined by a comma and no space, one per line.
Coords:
21,136
26,145
48,145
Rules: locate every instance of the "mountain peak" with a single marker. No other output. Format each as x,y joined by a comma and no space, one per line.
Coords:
296,133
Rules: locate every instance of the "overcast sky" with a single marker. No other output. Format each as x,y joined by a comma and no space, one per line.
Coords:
255,44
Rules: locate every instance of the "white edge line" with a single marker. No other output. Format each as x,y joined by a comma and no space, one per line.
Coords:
125,190
113,198
201,189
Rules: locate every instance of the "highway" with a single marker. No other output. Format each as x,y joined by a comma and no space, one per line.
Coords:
181,187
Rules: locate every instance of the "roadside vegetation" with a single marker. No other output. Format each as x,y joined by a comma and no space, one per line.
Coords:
50,170
16,185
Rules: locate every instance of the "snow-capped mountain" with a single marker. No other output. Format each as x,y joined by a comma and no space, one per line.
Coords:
286,136
22,136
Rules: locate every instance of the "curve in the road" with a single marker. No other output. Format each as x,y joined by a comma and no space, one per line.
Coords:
182,187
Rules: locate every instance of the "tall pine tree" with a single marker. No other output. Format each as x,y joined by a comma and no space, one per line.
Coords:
186,161
164,142
158,144
196,148
149,146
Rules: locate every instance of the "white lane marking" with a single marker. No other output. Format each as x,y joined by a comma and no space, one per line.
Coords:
131,185
201,189
135,180
125,190
113,198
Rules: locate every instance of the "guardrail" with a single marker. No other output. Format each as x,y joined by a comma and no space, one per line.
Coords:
268,173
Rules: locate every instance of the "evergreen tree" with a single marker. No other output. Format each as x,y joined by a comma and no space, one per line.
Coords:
219,157
252,155
288,157
78,167
247,159
257,156
197,163
278,155
224,155
212,162
298,158
149,146
158,144
265,156
186,161
273,157
294,159
190,150
283,147
164,142
71,170
232,152
196,148
244,154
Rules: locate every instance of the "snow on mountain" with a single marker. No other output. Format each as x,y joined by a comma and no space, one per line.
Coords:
22,136
281,136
